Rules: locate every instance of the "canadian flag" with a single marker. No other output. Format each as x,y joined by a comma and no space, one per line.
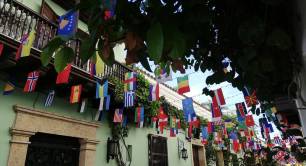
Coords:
218,99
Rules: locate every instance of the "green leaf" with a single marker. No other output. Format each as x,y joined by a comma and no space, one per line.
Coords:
178,45
62,57
49,49
145,63
87,49
155,41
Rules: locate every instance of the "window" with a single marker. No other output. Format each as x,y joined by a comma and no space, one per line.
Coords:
158,153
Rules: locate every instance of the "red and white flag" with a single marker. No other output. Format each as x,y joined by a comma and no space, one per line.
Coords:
218,97
31,81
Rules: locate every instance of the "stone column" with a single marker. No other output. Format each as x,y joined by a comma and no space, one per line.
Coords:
87,152
19,147
220,159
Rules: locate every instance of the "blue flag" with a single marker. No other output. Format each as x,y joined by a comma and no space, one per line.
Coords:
68,24
233,135
204,132
188,108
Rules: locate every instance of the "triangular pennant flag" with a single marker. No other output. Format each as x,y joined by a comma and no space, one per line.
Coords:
50,98
63,76
75,94
31,81
9,88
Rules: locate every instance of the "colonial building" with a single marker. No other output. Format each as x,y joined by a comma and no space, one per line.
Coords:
32,134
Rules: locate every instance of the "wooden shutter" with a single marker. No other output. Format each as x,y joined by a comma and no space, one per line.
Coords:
158,152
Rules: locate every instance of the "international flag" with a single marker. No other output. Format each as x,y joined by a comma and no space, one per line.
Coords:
101,90
173,126
68,24
104,103
204,135
250,99
1,48
31,81
277,140
91,68
188,108
194,121
154,92
110,6
218,98
99,65
63,76
229,125
118,116
9,88
25,46
216,113
241,124
130,81
50,98
162,120
241,110
224,132
83,105
154,121
139,116
75,95
161,75
210,127
129,98
183,84
99,115
249,121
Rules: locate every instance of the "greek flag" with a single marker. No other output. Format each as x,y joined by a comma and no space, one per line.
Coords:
129,99
49,99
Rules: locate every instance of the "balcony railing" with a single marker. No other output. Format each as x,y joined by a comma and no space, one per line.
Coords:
17,20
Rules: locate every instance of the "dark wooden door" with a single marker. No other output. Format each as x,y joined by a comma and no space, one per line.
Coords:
196,159
52,150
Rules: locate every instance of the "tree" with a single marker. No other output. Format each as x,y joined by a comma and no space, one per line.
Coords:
180,34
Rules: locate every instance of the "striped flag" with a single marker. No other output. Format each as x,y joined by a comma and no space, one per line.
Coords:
101,90
25,46
83,105
154,92
241,110
130,81
104,103
139,116
129,98
31,81
75,95
216,113
218,98
118,116
183,84
50,98
98,116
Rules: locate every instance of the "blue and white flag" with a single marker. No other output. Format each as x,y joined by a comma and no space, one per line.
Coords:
68,24
129,99
99,116
50,98
104,103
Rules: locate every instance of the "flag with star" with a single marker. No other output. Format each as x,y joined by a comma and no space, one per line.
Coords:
250,98
68,24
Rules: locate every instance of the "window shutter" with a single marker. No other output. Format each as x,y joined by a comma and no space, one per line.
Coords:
158,152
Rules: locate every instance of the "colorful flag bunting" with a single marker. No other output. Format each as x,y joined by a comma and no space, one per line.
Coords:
50,98
75,95
25,46
161,75
31,81
129,98
130,81
154,92
250,99
118,116
9,88
68,24
63,76
183,84
101,90
139,116
218,98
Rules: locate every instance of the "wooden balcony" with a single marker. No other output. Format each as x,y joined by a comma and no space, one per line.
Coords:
17,20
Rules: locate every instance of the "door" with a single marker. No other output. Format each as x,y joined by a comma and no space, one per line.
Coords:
52,150
195,152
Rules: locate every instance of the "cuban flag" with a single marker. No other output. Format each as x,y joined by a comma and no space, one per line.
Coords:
154,92
218,97
129,99
31,81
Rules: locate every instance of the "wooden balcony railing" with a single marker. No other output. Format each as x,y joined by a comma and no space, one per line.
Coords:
17,20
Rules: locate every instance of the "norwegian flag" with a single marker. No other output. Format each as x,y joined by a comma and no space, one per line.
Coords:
218,97
31,81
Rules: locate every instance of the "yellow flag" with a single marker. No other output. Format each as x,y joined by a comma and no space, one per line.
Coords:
99,65
26,47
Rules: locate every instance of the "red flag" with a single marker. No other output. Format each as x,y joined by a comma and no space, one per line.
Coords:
1,48
75,95
249,121
63,76
210,127
31,81
218,98
216,113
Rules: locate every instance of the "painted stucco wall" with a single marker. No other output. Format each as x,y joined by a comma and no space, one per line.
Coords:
137,137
